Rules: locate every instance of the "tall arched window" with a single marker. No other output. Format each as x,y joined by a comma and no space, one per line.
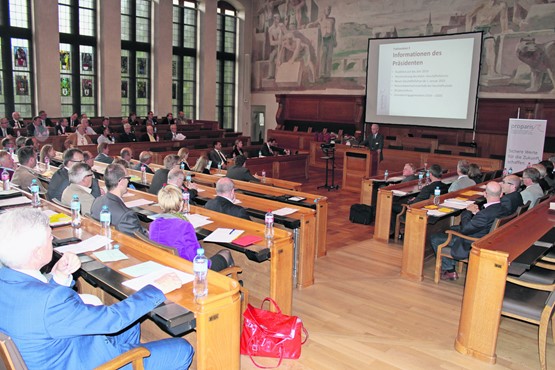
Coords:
184,57
136,18
78,67
226,65
16,62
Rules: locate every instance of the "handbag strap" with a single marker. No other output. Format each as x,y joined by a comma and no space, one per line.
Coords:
268,299
265,367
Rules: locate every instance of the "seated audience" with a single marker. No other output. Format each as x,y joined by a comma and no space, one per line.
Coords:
127,154
8,143
47,151
145,158
86,123
123,218
61,127
181,120
543,173
533,191
270,148
173,135
149,135
121,161
183,154
80,181
24,174
463,181
5,129
73,120
49,322
168,120
127,136
176,177
409,172
103,151
150,119
175,231
33,141
133,119
549,178
202,164
511,198
238,148
88,158
68,144
7,163
36,129
104,125
474,223
216,155
239,172
224,201
160,177
105,136
79,137
16,121
20,142
474,173
427,191
45,121
60,179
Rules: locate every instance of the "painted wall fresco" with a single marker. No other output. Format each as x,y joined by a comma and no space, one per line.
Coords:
319,44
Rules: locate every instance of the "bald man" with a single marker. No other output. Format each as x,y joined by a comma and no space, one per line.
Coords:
474,223
225,200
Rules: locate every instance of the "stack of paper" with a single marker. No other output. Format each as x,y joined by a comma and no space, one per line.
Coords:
198,220
457,203
223,235
138,203
89,245
148,272
284,211
399,193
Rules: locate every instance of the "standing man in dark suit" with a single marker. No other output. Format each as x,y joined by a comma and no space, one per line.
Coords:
216,155
123,218
5,129
375,140
511,198
224,201
239,171
474,223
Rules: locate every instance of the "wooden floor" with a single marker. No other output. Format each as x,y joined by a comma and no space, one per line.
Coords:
361,315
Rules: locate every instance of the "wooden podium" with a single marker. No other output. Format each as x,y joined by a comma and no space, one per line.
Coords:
358,163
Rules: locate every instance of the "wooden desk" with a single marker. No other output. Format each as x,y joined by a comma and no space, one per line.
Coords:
270,181
217,313
486,276
358,163
371,184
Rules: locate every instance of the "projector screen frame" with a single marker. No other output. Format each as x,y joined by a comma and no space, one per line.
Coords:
372,71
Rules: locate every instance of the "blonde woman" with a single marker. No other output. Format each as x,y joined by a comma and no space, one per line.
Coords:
47,151
202,164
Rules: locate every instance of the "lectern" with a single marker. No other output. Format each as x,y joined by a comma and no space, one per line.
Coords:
358,163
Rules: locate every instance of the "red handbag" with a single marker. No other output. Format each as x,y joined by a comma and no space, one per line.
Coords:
271,334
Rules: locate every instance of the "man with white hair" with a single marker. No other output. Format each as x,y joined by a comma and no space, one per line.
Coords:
16,121
80,181
225,200
49,322
463,181
145,158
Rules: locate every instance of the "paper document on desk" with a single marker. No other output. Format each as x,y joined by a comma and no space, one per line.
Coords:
138,203
457,203
110,255
89,245
399,193
198,220
14,201
395,179
284,211
142,269
435,213
142,281
223,235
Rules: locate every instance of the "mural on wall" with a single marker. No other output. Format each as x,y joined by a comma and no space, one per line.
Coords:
322,44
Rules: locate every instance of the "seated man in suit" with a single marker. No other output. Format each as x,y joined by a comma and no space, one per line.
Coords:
427,191
123,218
216,156
126,153
24,174
145,158
127,136
173,135
533,191
49,322
409,172
176,177
80,181
149,135
7,163
60,179
224,201
511,198
474,223
36,129
239,171
16,121
62,128
79,137
103,149
5,129
161,175
463,181
270,148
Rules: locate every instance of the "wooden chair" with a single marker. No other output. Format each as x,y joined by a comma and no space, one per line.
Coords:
532,303
232,272
444,250
523,208
12,360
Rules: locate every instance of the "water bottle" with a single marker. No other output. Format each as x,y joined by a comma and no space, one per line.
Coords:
386,175
5,180
219,168
35,197
263,176
437,193
427,177
186,205
510,171
75,212
425,166
269,225
182,166
105,219
113,140
188,181
155,129
260,154
143,174
420,178
47,163
505,172
200,270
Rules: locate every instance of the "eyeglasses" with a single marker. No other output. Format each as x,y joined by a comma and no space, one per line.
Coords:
89,175
508,183
74,161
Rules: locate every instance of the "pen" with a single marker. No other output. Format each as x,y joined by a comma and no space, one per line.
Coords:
231,232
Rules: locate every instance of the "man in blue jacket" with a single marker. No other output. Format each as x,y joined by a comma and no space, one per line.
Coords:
49,322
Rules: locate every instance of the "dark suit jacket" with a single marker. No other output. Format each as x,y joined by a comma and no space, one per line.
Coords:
237,151
58,130
511,201
222,205
241,173
54,329
475,226
123,218
375,143
158,180
215,158
12,123
169,135
127,138
166,121
275,150
427,191
30,129
9,131
48,122
60,181
144,137
104,158
410,178
138,168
